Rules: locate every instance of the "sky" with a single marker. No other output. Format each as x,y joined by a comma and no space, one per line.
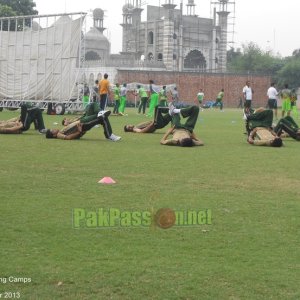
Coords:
272,25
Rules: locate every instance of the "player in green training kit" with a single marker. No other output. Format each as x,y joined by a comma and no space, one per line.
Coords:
258,125
162,96
29,114
161,119
289,126
153,96
143,99
182,134
294,103
78,128
123,99
200,98
91,112
116,92
219,100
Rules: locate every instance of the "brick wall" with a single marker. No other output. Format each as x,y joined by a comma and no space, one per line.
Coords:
188,84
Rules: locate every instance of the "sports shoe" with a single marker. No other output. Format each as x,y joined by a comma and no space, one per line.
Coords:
43,131
171,108
114,138
103,113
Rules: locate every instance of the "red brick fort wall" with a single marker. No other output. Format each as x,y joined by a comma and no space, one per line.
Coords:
188,84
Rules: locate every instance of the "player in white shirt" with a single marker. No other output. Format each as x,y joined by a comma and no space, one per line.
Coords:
272,98
247,94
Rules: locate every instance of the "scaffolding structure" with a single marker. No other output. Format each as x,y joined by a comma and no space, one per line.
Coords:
229,7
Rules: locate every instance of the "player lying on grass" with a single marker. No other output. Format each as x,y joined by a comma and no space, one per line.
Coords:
161,119
259,128
11,126
78,128
289,126
182,134
29,115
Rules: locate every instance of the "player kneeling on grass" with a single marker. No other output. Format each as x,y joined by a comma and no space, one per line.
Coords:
259,128
78,128
182,134
161,119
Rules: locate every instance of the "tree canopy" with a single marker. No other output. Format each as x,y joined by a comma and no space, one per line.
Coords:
252,59
10,8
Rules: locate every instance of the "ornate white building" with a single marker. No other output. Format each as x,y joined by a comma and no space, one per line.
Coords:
168,39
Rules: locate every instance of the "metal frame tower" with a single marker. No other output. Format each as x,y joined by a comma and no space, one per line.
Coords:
225,6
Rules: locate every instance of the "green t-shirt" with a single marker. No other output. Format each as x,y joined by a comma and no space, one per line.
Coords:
220,96
163,94
117,93
142,93
92,109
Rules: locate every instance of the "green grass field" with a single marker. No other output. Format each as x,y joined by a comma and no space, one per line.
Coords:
250,251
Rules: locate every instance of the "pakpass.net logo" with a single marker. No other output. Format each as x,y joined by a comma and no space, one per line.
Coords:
163,218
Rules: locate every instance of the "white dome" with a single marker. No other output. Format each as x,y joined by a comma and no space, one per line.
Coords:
98,13
127,7
95,39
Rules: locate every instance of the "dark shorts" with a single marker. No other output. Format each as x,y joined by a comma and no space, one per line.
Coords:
272,103
247,103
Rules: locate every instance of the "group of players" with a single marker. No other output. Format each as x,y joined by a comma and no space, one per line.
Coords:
259,124
182,134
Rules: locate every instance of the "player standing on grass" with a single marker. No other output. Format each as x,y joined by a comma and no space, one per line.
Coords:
116,98
247,95
104,86
200,98
153,96
123,99
163,97
285,95
219,100
143,98
272,98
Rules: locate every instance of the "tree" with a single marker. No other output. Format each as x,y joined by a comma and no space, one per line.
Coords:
11,8
290,72
6,11
296,53
253,59
17,8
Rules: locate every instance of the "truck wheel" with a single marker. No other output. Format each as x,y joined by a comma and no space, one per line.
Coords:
60,109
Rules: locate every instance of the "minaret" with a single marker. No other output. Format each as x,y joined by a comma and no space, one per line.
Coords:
127,27
98,16
223,23
191,8
168,40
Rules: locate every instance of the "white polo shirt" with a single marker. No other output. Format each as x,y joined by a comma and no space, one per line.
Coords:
247,91
272,93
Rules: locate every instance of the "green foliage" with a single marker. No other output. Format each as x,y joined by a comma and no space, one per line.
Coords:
253,59
6,11
290,72
17,8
